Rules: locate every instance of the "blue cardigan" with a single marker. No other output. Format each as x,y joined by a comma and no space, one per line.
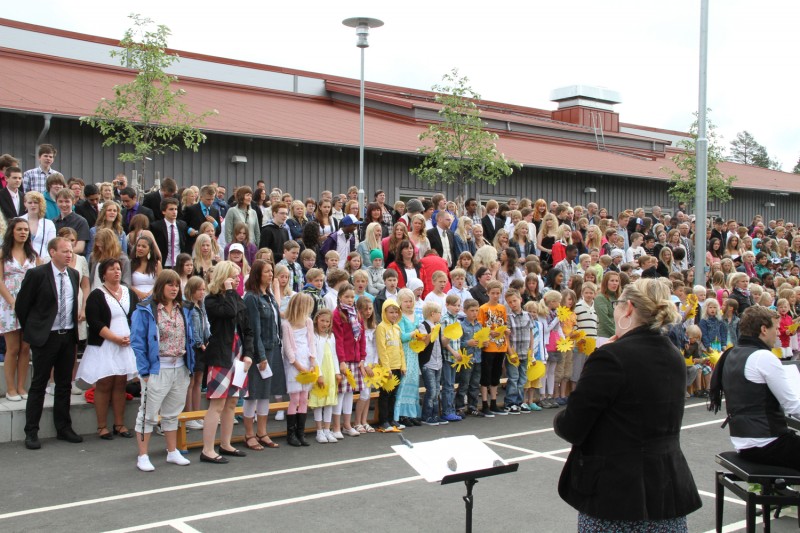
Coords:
144,338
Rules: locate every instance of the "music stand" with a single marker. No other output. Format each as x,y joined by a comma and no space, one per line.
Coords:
470,478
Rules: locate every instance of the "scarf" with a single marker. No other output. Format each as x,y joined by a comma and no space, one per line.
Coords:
744,292
352,317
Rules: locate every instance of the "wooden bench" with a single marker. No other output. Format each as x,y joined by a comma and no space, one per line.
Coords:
775,490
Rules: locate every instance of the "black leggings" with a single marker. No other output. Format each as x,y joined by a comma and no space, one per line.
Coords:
491,368
386,402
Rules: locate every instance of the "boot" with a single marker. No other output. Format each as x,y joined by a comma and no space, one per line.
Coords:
291,430
301,428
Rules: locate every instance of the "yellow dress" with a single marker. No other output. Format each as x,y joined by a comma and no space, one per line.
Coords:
328,367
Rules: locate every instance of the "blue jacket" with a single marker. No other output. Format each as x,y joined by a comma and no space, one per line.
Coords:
144,338
714,330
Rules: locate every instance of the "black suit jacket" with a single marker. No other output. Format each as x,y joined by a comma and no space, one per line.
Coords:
152,201
84,209
37,303
436,244
159,229
193,216
7,205
490,231
146,211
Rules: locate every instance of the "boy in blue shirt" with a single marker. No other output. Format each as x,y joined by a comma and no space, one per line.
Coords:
469,379
451,352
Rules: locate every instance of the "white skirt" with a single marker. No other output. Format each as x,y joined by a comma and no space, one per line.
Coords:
108,359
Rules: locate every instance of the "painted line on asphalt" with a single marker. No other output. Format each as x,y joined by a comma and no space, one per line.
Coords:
182,527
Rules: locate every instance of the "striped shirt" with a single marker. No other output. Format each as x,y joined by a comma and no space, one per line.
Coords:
587,318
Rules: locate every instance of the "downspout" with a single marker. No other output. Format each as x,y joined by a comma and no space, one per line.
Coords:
47,118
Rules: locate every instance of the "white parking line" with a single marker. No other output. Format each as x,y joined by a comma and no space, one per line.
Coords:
183,528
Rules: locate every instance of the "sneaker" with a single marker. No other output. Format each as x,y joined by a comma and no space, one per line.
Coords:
534,407
143,463
514,410
476,413
351,432
487,413
194,424
76,390
431,421
331,436
280,415
387,428
462,413
561,401
442,420
397,424
51,389
523,408
496,410
176,458
416,421
452,417
321,438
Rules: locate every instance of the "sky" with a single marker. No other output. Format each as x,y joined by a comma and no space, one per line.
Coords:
516,53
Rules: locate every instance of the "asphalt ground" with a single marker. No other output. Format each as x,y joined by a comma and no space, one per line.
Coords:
358,484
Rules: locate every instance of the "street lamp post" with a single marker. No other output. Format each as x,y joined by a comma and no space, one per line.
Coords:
362,26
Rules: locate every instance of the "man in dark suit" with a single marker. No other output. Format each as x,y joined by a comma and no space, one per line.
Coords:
442,239
132,207
202,211
88,208
152,200
170,233
12,197
47,308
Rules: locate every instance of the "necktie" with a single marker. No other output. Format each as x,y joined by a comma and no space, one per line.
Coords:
62,302
172,244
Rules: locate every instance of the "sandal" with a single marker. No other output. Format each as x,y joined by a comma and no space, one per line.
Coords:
268,442
105,436
369,428
257,446
360,428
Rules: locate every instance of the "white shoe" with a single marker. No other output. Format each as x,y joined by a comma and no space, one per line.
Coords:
321,437
280,415
194,424
352,432
175,457
76,390
143,463
14,397
330,436
51,389
337,435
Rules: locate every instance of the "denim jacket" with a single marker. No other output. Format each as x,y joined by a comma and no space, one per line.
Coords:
470,328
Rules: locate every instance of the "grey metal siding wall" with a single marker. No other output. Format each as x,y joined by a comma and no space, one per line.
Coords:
306,169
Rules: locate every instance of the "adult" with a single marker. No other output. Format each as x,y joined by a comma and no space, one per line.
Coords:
491,223
89,207
276,233
161,338
108,361
406,264
203,257
265,320
67,218
548,230
219,201
418,236
145,267
170,233
624,419
35,179
473,210
228,317
47,309
106,246
202,211
310,241
482,276
297,221
604,304
387,215
109,218
17,258
389,244
463,236
12,203
343,240
520,240
374,214
323,217
243,212
759,394
120,183
55,183
132,207
371,241
737,287
152,200
442,239
79,263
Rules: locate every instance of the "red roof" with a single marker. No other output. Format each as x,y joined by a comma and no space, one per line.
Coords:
268,113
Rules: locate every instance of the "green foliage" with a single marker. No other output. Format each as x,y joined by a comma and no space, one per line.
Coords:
147,114
747,151
462,151
796,169
683,180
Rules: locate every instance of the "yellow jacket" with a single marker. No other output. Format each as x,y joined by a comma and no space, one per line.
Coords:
389,344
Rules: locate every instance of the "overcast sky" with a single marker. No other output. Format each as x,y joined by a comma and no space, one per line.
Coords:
513,52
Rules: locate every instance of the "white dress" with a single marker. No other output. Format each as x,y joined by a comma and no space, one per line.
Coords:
302,356
110,359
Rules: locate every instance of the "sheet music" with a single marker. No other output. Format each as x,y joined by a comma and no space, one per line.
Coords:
430,458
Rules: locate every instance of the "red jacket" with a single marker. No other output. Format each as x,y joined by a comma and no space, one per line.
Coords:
348,350
430,264
401,274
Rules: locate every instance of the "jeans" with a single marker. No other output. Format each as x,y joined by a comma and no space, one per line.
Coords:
469,387
430,404
448,389
517,377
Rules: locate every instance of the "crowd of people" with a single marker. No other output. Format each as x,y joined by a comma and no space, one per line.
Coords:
181,289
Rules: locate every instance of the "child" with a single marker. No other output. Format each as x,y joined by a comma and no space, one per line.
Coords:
337,279
265,254
437,295
331,259
519,350
459,288
360,283
533,393
407,409
367,313
586,321
194,296
353,264
389,291
466,264
236,256
390,355
351,348
786,320
185,268
315,279
240,236
493,315
291,251
564,366
469,379
451,352
431,361
299,355
375,272
635,251
283,287
694,352
329,376
731,320
308,259
551,331
531,291
713,330
416,287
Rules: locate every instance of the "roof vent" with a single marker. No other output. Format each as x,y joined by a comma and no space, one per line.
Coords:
586,96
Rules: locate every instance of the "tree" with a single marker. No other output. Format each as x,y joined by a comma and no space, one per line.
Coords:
147,114
747,151
683,180
796,169
462,151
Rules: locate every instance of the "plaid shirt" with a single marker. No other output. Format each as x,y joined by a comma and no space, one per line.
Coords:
521,331
35,179
446,320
